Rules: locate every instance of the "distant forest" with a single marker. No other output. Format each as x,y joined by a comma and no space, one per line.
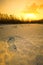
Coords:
5,19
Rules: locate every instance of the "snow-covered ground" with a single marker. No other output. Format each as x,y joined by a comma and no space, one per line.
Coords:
21,44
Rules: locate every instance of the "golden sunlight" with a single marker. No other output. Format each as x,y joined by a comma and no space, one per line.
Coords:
29,16
23,9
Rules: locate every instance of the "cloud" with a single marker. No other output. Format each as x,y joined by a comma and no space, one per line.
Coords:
33,8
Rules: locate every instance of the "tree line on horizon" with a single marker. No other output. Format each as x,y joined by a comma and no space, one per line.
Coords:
5,19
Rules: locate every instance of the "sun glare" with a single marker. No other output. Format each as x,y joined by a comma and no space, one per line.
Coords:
27,16
30,16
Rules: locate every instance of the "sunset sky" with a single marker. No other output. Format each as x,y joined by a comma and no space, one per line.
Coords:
32,9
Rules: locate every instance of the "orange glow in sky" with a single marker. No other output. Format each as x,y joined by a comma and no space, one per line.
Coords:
26,9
